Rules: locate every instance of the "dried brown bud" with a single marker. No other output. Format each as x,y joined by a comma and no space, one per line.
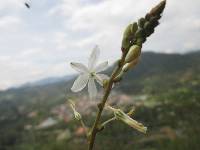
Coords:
147,17
157,10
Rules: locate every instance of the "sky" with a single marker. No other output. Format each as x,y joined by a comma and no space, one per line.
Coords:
41,41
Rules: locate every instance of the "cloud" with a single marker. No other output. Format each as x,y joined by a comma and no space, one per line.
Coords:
40,42
109,18
8,22
11,5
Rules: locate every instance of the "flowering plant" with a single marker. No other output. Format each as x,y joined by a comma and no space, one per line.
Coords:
134,36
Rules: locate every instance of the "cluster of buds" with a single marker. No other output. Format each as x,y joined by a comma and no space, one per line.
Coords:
136,34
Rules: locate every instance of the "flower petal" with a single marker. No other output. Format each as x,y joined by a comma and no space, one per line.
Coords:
80,82
100,77
93,58
92,90
79,67
101,67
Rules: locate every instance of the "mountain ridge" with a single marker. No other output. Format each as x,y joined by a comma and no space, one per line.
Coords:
54,79
150,63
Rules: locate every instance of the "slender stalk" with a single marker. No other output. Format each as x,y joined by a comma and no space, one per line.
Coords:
101,106
108,121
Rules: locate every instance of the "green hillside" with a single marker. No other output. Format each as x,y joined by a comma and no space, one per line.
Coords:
165,89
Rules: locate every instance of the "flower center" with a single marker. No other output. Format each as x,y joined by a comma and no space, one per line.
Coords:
92,74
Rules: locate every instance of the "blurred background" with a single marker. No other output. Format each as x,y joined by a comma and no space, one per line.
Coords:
38,40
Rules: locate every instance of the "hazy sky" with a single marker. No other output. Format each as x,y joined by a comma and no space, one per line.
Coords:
41,41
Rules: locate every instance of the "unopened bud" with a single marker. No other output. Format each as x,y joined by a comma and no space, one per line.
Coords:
140,41
127,31
105,83
157,10
133,53
134,28
125,44
141,22
77,115
154,22
128,36
147,17
119,77
149,32
130,65
147,25
140,33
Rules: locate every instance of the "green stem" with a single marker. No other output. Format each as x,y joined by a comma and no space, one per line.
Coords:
94,129
108,121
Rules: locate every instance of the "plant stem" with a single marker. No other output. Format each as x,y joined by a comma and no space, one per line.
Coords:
101,106
108,121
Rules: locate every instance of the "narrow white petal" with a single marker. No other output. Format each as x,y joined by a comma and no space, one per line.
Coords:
101,77
101,67
79,67
92,90
80,82
93,58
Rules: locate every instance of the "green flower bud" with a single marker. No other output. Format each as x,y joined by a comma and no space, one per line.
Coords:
141,22
126,43
77,115
140,33
119,77
140,41
149,32
134,28
130,65
126,37
105,83
147,25
127,32
133,53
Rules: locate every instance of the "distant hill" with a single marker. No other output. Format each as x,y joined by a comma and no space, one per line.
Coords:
47,81
153,70
157,69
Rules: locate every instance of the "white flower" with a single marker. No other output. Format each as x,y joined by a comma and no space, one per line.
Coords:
89,74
